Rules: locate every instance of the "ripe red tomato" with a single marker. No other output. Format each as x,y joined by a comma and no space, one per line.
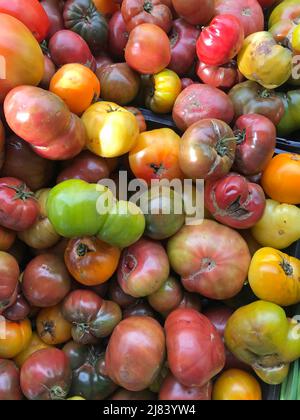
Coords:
222,77
10,389
117,36
220,41
142,52
54,9
18,207
173,390
193,11
46,375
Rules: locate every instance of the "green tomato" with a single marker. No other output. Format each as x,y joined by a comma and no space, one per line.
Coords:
124,225
291,119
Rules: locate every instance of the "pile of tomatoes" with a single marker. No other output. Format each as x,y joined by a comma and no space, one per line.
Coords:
104,298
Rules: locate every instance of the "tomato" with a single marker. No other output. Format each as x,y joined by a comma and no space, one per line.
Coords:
167,297
183,37
290,121
119,83
52,327
107,7
172,390
274,277
152,158
41,234
234,385
135,353
77,85
103,60
143,269
112,131
279,227
268,3
91,316
19,310
234,201
19,209
49,71
281,178
22,60
117,36
136,12
35,344
7,238
162,91
53,131
15,339
46,281
139,116
140,308
117,295
209,266
53,9
46,375
2,144
195,350
207,150
67,47
192,12
90,261
10,389
222,77
191,301
198,102
256,142
249,13
141,51
9,274
82,17
272,66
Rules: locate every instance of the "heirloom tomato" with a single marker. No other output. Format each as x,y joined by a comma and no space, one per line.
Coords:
274,277
155,156
46,375
17,338
281,178
172,390
221,41
168,297
53,9
194,12
35,344
22,60
52,327
222,77
91,261
77,85
290,121
140,308
2,144
107,7
49,71
117,36
19,310
235,385
139,116
135,353
195,350
279,227
10,389
142,52
9,275
7,238
209,265
117,295
286,10
112,131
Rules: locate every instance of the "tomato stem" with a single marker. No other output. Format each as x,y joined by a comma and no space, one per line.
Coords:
82,249
21,193
148,6
287,267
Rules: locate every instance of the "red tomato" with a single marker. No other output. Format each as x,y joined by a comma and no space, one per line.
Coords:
18,207
220,41
10,389
196,352
19,310
195,12
46,375
222,77
117,36
9,275
172,390
249,13
142,52
54,9
32,15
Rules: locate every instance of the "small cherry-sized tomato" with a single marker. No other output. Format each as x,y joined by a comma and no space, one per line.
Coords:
221,40
35,344
91,261
46,375
236,385
52,327
281,178
15,339
10,389
77,85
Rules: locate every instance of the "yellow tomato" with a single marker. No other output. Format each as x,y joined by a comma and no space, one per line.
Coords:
35,344
76,399
52,327
14,337
275,277
112,130
163,91
236,385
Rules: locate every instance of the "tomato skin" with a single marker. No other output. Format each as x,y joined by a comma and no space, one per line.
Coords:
135,353
281,178
195,350
221,40
17,337
235,385
172,390
141,308
19,310
53,9
90,261
7,238
168,297
136,12
221,77
35,344
51,326
2,144
141,51
10,389
46,375
139,116
117,295
9,274
117,36
192,13
46,281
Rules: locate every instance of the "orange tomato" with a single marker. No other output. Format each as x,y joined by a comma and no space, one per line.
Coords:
107,7
14,337
281,179
52,327
35,344
236,385
77,85
7,238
